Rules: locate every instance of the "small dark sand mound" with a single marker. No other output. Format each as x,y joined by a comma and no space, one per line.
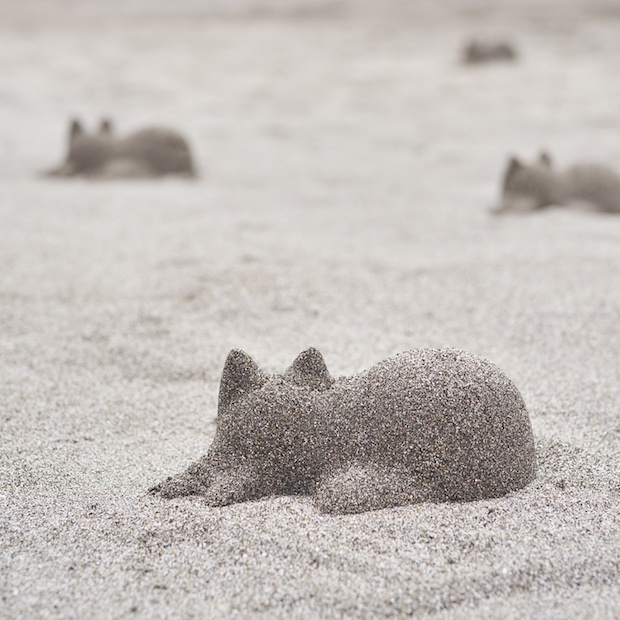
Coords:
479,52
425,425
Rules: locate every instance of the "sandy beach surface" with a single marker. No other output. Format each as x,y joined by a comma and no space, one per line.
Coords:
348,163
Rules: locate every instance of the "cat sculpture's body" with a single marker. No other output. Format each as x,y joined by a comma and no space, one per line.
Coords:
149,152
531,187
426,425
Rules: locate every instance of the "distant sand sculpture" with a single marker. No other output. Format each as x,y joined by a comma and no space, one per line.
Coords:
478,52
150,152
425,425
531,187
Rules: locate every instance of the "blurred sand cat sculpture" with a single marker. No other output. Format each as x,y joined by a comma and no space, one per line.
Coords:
150,152
530,187
478,52
425,425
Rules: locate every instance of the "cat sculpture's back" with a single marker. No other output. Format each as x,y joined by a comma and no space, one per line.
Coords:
596,186
425,425
164,150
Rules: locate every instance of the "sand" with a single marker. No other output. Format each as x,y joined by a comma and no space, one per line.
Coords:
349,166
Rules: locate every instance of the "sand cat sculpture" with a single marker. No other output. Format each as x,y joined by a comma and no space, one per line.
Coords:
425,425
531,187
150,152
478,52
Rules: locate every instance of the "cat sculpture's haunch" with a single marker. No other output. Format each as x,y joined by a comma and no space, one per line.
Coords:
425,425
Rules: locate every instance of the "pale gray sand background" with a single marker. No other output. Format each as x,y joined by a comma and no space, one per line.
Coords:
349,164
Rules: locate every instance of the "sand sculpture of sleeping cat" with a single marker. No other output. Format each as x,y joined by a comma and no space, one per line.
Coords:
425,425
150,152
532,187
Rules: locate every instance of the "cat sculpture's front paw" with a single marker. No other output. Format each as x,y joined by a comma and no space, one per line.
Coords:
179,486
235,485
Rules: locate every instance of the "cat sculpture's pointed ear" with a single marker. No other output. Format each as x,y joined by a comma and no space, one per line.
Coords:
105,127
241,376
309,370
75,129
514,165
544,159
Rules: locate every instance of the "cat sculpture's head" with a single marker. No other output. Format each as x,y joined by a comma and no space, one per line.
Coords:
529,187
269,418
86,152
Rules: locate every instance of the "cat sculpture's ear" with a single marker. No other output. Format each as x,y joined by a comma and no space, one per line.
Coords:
544,159
105,127
309,370
514,165
75,129
241,376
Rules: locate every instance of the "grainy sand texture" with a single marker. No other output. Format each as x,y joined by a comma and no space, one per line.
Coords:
348,165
